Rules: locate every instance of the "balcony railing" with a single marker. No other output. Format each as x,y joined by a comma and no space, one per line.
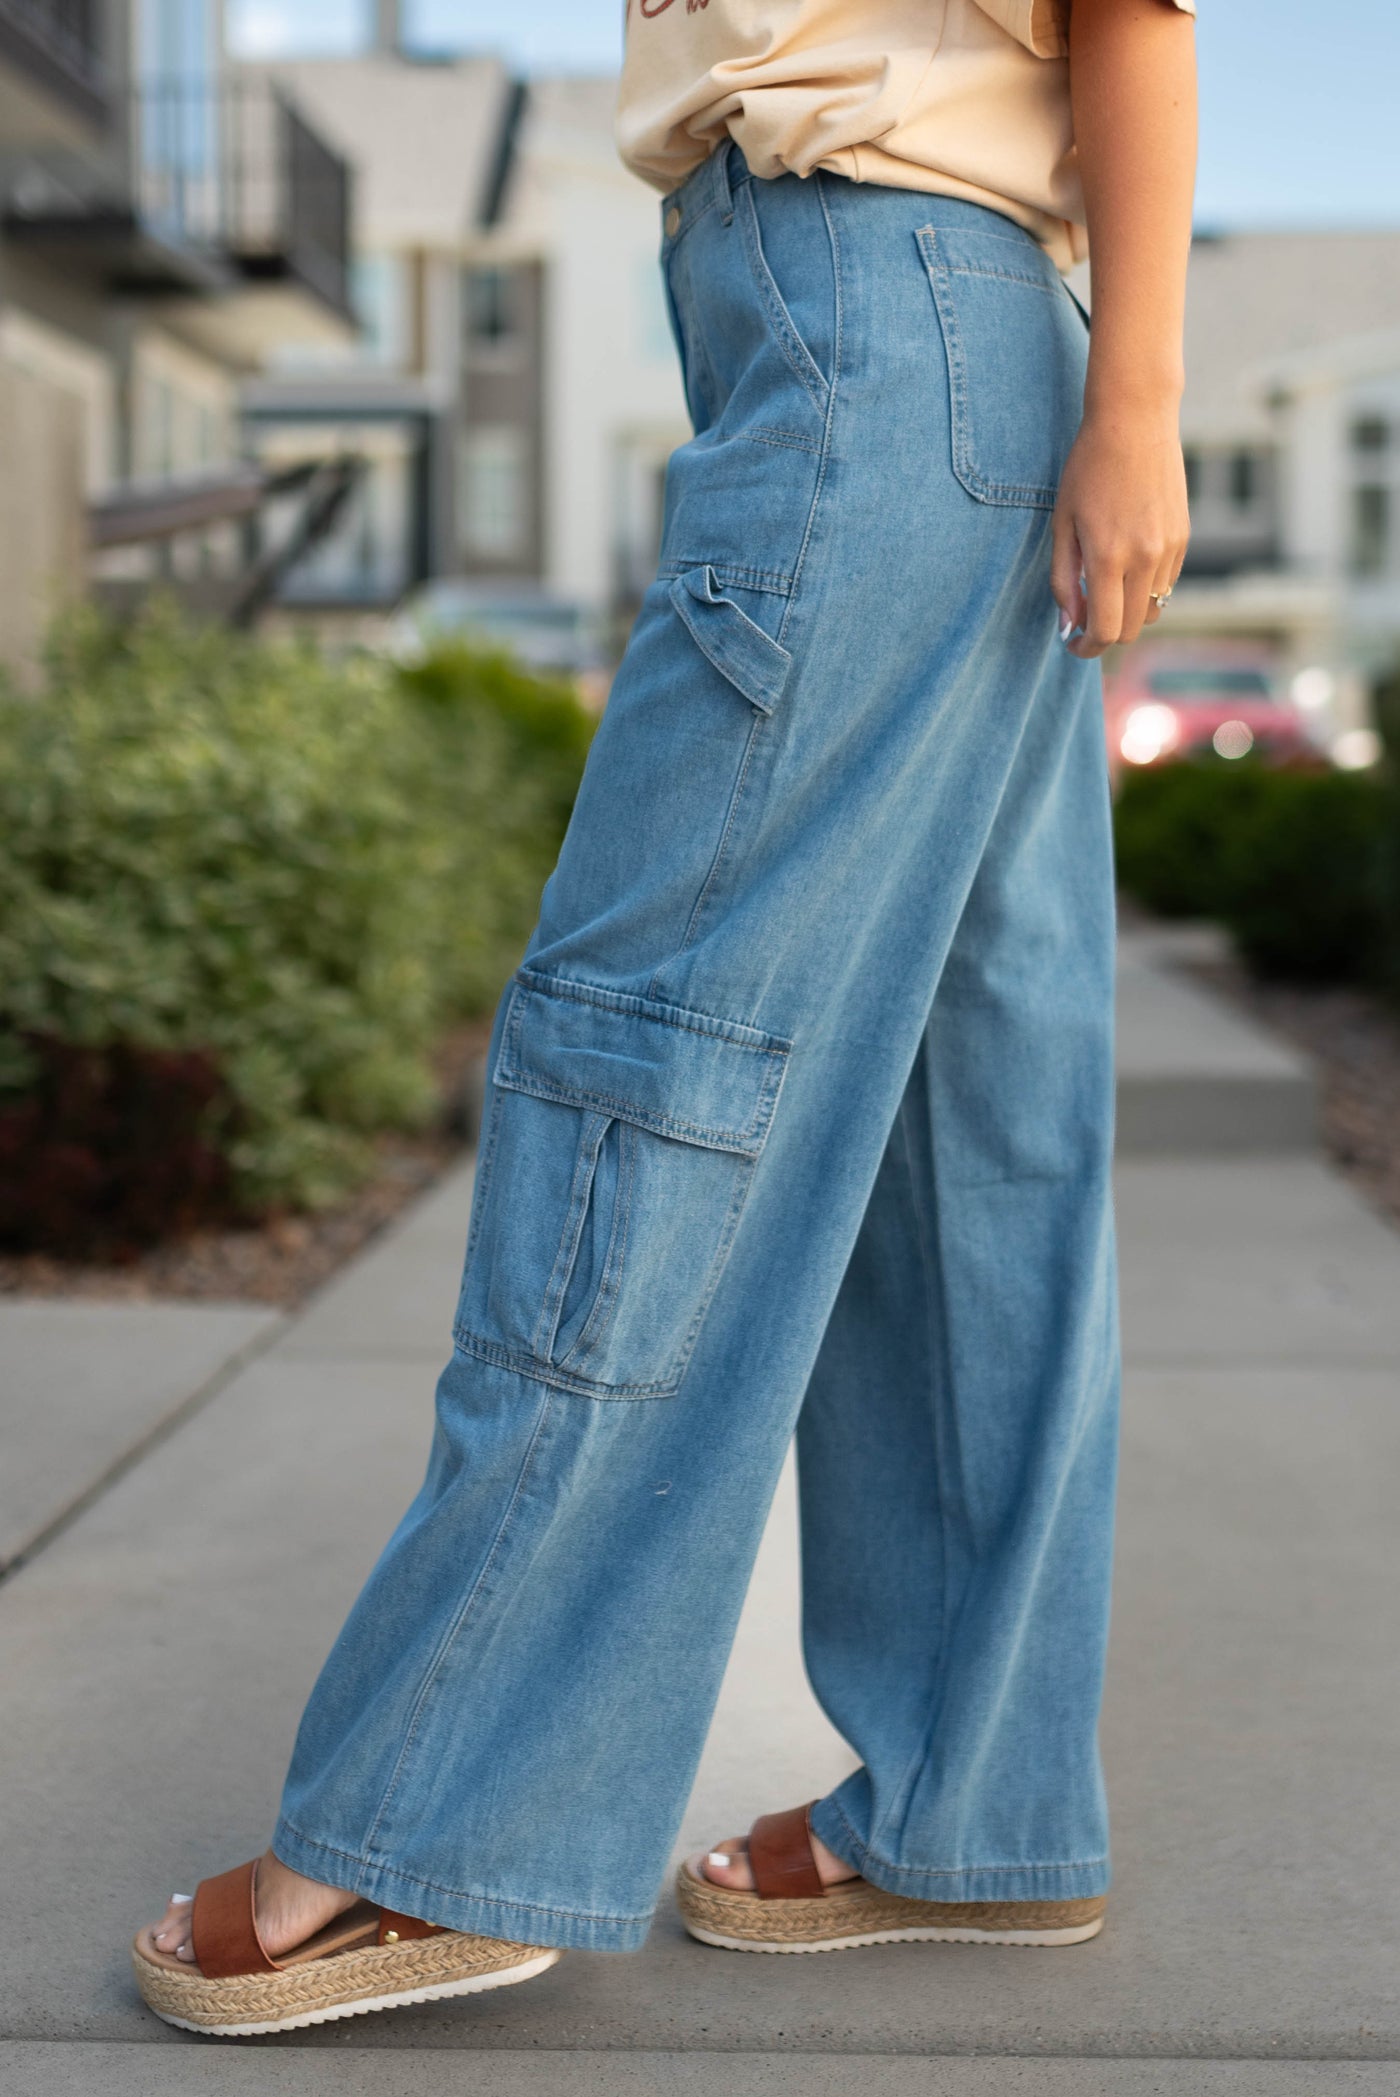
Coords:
216,183
235,170
59,44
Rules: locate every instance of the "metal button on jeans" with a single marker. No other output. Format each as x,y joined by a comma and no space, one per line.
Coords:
673,222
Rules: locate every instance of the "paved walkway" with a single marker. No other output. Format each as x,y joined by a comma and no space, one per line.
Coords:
198,1542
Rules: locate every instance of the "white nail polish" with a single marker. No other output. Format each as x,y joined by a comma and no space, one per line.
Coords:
1066,629
181,1900
718,1859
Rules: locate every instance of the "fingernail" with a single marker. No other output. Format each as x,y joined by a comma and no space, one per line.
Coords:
718,1859
1066,629
186,1952
181,1900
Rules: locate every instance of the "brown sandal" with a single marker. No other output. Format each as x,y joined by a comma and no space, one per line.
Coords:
791,1910
367,1959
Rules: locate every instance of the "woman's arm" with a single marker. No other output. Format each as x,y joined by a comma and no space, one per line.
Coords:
1121,518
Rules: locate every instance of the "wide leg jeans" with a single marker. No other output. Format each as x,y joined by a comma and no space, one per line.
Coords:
800,1117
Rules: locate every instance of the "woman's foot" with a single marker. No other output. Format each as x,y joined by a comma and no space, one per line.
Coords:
729,1865
803,1898
278,1952
289,1910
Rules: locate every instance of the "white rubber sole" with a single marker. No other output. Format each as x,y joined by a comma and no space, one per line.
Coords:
1024,1938
473,1984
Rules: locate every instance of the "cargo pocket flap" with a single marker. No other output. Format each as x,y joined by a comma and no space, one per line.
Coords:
681,1074
754,663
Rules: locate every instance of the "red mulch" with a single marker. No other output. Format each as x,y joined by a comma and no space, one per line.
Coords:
282,1259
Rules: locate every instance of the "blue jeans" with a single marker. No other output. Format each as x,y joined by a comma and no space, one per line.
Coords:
800,1117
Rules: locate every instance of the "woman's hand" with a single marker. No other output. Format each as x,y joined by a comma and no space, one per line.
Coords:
1121,516
1120,525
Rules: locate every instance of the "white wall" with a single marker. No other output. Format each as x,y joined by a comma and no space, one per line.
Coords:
614,407
1311,517
612,383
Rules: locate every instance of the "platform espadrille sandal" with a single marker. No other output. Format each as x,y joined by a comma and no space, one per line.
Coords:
367,1959
791,1910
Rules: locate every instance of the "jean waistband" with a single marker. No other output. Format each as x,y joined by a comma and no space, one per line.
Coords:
713,184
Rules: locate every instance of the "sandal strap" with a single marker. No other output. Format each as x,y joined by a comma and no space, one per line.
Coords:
781,1856
225,1928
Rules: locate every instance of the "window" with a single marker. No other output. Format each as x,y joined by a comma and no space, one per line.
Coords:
1244,479
489,302
156,440
1210,683
1370,529
379,291
177,115
1370,434
209,446
494,492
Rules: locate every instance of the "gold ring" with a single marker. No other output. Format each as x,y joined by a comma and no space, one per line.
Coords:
1159,597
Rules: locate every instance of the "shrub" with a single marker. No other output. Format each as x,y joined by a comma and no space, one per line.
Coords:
547,731
510,749
1300,865
1173,829
297,870
1308,876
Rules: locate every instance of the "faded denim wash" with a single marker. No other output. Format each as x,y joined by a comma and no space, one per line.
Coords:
800,1117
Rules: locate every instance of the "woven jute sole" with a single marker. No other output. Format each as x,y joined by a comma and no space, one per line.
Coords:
346,1984
847,1917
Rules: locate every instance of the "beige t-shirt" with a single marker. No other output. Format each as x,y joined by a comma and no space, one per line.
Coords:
969,98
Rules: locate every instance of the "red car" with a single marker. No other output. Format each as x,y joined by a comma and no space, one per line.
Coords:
1183,699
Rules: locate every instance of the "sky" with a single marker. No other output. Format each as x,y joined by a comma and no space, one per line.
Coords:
1300,123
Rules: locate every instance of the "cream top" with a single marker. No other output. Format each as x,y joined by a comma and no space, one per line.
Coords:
969,98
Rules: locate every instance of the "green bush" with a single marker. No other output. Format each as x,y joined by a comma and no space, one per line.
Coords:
1174,825
1301,866
510,748
1309,877
301,869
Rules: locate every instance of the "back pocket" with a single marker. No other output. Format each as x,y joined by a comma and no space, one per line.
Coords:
620,1143
1016,352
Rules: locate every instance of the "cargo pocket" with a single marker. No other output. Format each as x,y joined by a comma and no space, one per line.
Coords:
1016,351
621,1140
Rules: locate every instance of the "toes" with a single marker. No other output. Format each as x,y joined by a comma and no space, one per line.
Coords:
729,1866
174,1927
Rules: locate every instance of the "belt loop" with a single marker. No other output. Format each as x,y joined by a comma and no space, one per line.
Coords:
724,196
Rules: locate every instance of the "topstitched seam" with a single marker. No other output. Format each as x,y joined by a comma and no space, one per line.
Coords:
453,1630
683,1017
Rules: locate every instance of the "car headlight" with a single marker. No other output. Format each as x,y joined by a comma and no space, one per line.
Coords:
1233,739
1149,733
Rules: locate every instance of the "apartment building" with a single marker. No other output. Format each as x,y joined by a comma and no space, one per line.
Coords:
432,144
514,390
1291,430
574,253
163,228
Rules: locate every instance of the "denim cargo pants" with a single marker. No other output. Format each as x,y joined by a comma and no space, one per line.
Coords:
800,1115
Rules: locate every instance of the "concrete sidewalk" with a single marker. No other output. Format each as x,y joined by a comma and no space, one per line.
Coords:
155,1651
